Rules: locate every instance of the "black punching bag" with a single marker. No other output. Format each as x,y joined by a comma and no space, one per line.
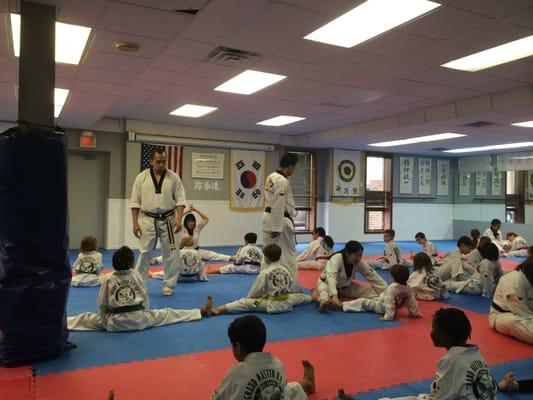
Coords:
34,268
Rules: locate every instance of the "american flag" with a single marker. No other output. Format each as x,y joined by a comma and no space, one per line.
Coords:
173,156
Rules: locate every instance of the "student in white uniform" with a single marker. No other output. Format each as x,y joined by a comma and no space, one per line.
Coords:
397,295
192,228
424,281
495,234
274,290
454,265
337,278
124,304
320,255
88,265
474,258
248,258
517,247
278,224
259,375
462,373
511,313
427,247
157,204
486,275
318,235
192,267
391,255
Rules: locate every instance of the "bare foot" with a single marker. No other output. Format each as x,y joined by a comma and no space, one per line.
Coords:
111,396
314,294
508,383
324,305
150,274
207,309
343,396
308,382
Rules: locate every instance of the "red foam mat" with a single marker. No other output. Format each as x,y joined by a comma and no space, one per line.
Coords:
17,383
358,361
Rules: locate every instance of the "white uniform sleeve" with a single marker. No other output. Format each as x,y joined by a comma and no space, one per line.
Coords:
332,270
290,207
372,277
227,389
258,288
103,297
179,193
309,250
100,262
415,280
277,209
391,253
432,250
518,307
136,193
389,304
412,304
76,263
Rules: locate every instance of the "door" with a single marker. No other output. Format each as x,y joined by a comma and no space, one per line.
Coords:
87,194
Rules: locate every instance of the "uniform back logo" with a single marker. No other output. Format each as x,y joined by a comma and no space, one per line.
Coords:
480,380
265,385
433,282
125,293
281,281
191,262
253,254
87,266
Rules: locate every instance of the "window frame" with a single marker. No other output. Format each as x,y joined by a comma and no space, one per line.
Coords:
387,194
311,215
516,202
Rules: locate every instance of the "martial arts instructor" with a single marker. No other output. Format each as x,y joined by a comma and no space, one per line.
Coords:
157,204
278,224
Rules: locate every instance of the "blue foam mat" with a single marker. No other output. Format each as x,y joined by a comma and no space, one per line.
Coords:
523,370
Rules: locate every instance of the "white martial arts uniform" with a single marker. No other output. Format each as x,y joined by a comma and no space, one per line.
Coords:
124,305
259,376
393,298
274,291
248,261
318,256
513,317
462,374
280,203
518,248
391,255
192,267
426,286
483,281
454,266
497,239
430,249
162,198
309,250
474,258
337,279
88,269
207,255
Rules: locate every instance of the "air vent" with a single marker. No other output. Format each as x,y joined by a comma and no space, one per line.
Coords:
479,124
232,57
190,11
440,148
127,47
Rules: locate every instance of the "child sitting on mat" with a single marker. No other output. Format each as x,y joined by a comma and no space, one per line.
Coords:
259,375
192,267
462,373
424,281
319,257
274,290
397,295
248,258
88,266
391,254
124,304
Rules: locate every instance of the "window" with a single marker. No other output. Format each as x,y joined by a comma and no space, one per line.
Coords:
303,183
378,196
514,197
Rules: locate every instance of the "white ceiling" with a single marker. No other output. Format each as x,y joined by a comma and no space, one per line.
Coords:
332,87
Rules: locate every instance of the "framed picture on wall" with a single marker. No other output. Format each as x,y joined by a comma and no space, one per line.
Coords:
443,178
406,175
496,184
481,183
530,185
464,184
424,176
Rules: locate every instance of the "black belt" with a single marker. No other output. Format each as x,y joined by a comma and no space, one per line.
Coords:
160,216
285,214
498,308
125,309
247,262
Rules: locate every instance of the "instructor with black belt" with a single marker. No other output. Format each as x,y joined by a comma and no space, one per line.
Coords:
157,204
278,224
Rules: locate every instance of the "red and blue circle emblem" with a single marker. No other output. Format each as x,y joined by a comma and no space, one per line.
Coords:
248,179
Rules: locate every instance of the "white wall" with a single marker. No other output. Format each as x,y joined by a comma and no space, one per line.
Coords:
529,214
479,212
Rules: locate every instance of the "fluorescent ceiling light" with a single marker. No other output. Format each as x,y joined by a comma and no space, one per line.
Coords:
60,97
494,147
525,124
494,56
420,139
368,20
249,82
193,111
70,40
280,120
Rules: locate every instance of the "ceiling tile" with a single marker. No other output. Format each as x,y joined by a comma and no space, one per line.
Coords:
116,61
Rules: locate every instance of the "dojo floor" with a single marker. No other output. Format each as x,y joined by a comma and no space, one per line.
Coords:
369,358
